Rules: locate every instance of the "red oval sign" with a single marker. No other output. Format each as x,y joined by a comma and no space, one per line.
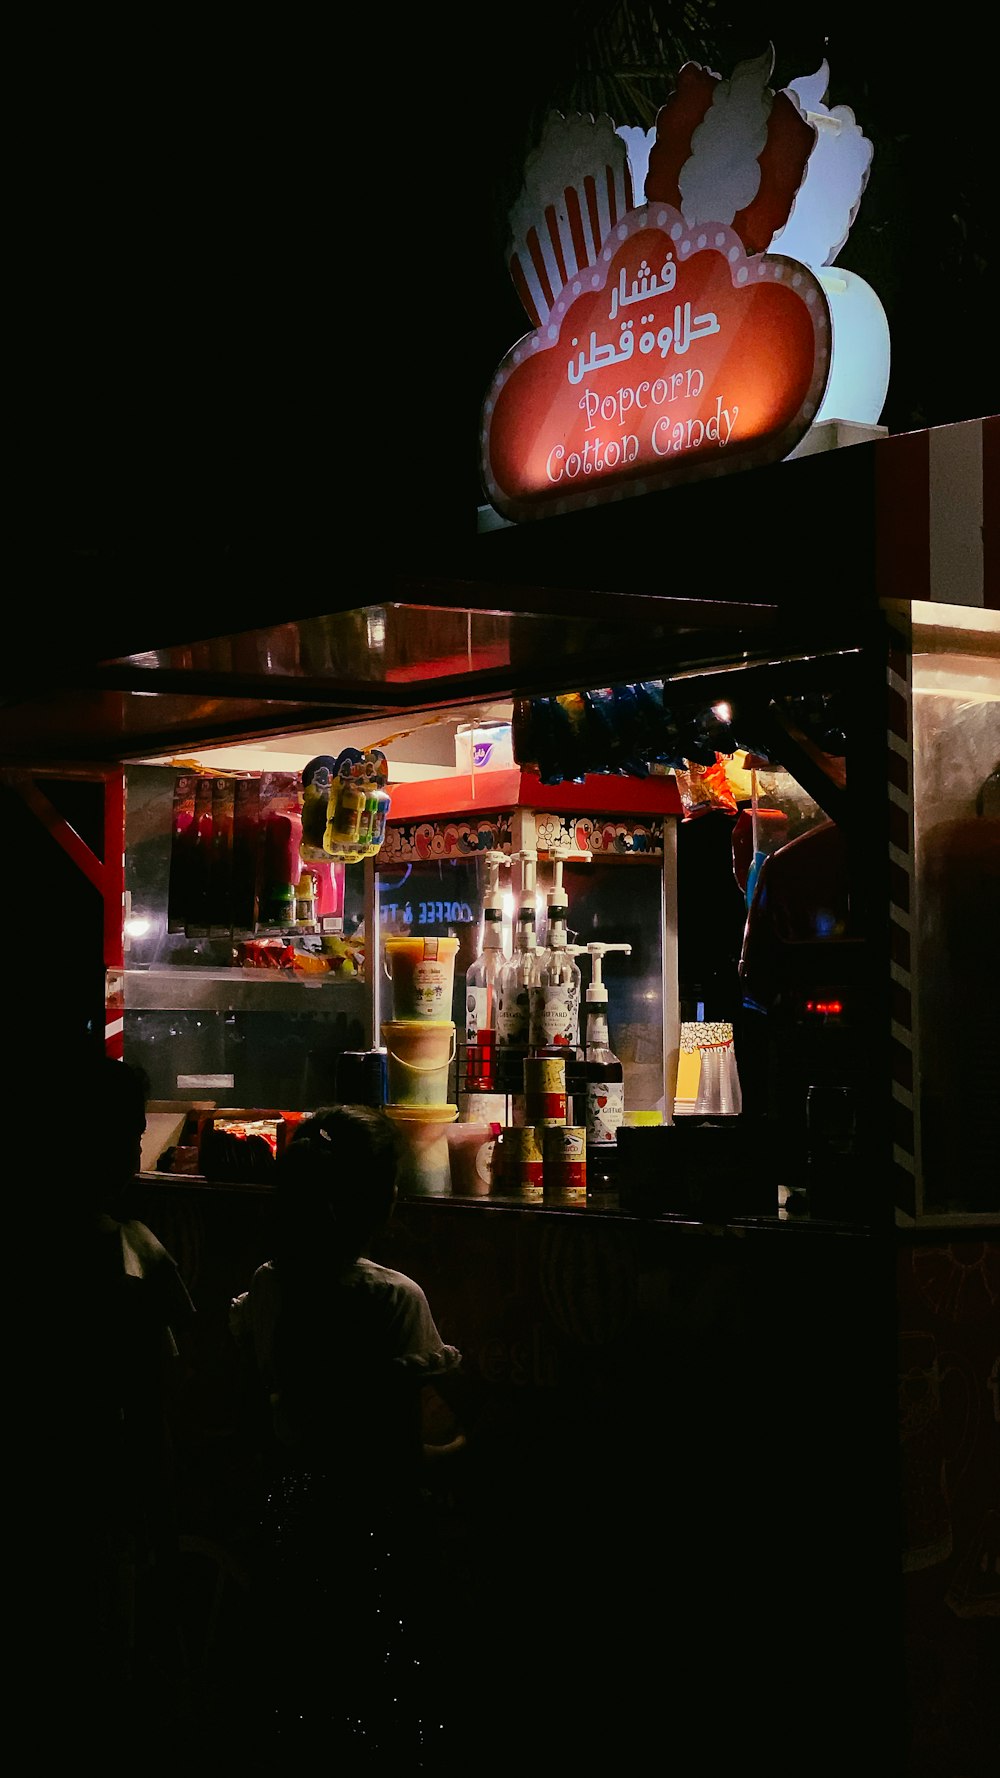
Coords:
676,356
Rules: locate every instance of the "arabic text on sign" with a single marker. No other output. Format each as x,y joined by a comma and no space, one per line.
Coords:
686,329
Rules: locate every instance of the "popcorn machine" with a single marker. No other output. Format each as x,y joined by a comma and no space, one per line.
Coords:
461,856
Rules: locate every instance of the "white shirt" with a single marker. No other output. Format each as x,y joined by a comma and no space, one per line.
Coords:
374,1333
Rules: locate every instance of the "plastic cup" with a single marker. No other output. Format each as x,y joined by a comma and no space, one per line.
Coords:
470,1151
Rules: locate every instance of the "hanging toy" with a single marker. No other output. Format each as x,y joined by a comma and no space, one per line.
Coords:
349,795
317,778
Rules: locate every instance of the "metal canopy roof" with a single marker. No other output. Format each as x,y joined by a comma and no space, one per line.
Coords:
119,651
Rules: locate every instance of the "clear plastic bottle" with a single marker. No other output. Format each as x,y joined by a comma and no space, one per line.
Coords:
554,1000
346,807
482,988
305,902
515,982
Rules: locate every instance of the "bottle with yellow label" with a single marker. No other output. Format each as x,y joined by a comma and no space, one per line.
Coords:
347,804
305,902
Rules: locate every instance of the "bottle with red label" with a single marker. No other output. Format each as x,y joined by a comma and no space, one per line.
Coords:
514,985
482,980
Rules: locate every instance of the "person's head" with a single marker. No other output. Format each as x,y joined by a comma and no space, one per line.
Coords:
336,1183
112,1096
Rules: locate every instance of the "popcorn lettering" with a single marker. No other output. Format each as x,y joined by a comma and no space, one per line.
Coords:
668,433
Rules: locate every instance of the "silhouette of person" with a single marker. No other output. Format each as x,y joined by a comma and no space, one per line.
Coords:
340,1348
108,1303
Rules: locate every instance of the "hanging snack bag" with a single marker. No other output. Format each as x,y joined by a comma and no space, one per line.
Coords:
182,841
280,841
246,845
220,866
703,788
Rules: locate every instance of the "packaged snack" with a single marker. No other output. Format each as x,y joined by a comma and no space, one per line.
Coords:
246,833
703,788
180,893
220,862
281,839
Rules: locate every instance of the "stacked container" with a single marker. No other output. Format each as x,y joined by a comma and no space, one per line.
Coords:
420,1049
543,1155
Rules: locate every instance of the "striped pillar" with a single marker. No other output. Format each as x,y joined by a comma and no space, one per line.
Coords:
938,514
113,890
899,788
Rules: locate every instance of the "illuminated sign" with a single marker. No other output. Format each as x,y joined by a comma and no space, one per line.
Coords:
710,360
691,334
426,913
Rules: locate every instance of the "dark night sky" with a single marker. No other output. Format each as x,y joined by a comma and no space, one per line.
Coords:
259,280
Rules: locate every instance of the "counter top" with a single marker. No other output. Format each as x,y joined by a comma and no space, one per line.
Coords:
609,1212
606,1211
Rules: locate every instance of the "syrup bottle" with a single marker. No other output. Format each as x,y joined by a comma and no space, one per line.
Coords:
601,1078
515,982
554,1000
482,980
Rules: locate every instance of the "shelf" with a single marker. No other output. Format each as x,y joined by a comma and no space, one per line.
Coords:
186,988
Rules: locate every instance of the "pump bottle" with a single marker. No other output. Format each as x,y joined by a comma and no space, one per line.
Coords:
601,1076
481,987
515,981
554,1000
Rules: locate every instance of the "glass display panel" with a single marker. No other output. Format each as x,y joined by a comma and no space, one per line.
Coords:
204,1023
611,899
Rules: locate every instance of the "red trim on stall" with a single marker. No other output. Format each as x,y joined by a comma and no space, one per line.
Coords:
511,788
107,876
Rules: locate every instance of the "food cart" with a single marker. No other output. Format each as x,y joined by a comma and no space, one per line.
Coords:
690,1403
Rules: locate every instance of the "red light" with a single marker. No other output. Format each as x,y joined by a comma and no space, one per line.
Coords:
825,1008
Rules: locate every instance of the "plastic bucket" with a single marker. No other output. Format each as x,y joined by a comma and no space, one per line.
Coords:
419,1054
422,973
424,1166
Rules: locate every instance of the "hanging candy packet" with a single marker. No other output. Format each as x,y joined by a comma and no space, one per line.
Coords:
357,805
703,788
